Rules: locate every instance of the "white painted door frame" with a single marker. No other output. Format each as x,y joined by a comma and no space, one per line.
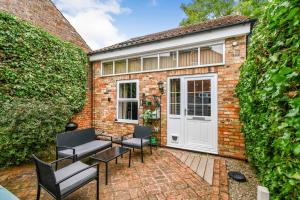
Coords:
176,124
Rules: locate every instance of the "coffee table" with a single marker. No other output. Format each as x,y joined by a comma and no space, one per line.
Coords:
107,155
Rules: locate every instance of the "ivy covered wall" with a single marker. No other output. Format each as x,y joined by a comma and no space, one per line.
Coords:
42,84
269,92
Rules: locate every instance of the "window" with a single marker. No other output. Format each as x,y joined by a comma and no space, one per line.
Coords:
167,60
197,56
188,57
150,63
107,68
211,54
199,98
127,100
175,96
134,65
120,66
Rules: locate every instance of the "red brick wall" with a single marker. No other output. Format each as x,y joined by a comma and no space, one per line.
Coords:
230,140
44,14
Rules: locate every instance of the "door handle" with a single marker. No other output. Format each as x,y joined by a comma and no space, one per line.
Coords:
185,112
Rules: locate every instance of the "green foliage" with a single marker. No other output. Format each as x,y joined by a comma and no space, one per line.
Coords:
147,116
203,10
42,84
269,90
29,126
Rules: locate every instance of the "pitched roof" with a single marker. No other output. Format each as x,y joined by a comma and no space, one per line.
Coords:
177,32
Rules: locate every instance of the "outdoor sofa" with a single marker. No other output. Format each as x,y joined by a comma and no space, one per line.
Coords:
81,143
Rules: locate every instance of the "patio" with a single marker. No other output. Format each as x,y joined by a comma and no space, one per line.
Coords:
162,176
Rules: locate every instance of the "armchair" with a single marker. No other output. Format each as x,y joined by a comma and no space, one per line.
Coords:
63,182
141,138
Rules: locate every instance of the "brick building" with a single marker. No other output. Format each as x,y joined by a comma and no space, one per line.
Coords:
198,67
44,14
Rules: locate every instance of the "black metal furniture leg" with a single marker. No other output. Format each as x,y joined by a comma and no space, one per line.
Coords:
38,194
97,193
122,147
106,173
98,183
117,160
129,158
142,154
56,159
151,148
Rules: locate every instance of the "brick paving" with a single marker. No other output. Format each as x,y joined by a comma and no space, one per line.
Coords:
162,176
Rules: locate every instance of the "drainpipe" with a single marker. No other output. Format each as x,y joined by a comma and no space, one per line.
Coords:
252,23
92,93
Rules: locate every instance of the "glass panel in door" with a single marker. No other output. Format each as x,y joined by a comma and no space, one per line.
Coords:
199,98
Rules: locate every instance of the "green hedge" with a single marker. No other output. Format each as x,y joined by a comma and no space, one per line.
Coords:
269,90
42,84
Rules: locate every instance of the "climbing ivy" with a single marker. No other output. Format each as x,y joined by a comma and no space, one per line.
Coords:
269,96
42,84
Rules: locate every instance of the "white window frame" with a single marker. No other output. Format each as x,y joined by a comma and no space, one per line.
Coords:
141,56
126,63
102,67
155,55
127,100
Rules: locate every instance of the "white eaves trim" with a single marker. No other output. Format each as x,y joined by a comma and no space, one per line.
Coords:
187,40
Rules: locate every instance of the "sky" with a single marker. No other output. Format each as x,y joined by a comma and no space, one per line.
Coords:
105,22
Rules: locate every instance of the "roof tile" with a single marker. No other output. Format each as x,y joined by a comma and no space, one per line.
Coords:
176,32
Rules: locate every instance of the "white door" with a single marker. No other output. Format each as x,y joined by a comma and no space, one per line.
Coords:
198,117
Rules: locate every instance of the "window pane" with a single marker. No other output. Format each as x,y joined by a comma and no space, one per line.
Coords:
175,109
134,64
198,110
175,85
134,110
198,98
191,87
132,90
175,96
188,57
120,66
206,110
206,85
150,63
191,98
128,110
206,98
127,90
167,60
211,54
107,68
191,109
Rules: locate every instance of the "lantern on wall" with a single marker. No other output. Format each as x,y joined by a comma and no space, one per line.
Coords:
161,87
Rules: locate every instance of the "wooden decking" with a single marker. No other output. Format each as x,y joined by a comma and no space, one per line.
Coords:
201,164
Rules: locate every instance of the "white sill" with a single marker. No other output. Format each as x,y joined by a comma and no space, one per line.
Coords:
127,121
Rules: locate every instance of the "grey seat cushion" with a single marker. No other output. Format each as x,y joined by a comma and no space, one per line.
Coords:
135,142
76,180
86,148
